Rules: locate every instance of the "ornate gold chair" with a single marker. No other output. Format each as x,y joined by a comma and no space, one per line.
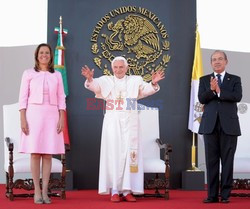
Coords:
151,146
17,165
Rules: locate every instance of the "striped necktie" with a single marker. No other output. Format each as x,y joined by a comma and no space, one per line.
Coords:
219,79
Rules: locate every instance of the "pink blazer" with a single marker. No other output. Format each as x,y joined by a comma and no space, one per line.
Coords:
31,90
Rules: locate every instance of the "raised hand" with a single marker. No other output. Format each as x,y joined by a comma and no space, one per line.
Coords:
87,73
157,76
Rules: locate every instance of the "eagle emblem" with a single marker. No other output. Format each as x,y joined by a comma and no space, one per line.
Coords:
137,39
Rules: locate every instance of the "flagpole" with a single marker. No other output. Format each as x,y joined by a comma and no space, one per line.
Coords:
193,179
195,112
59,65
193,154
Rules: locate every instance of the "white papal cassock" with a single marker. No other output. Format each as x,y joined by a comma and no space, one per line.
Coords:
120,131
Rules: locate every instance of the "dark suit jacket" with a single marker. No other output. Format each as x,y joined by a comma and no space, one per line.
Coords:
224,107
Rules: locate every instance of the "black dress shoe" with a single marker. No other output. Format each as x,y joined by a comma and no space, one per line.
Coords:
209,200
224,201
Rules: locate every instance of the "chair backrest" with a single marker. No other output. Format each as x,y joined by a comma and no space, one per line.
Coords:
11,129
149,131
243,144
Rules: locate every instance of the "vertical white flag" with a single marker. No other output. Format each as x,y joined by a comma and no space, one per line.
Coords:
195,109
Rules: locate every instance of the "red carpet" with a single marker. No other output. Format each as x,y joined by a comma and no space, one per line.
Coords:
89,199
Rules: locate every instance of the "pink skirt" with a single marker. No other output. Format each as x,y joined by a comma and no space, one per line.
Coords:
43,137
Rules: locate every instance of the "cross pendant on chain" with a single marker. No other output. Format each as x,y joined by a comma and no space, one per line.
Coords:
119,98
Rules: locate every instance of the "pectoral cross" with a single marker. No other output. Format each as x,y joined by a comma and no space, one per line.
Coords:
120,98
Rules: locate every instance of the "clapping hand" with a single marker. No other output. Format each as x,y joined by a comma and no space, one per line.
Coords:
214,86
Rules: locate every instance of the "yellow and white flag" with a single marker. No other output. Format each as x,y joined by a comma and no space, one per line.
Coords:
195,109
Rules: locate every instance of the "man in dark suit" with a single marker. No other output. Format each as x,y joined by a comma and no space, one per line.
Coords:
219,92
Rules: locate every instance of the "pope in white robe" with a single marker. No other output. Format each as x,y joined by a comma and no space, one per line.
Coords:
121,163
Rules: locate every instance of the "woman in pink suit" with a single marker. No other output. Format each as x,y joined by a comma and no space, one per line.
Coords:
42,102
